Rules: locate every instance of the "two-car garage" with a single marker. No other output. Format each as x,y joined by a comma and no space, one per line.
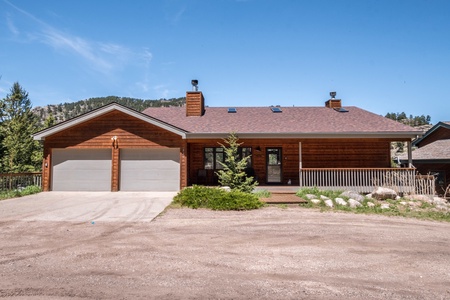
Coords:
140,169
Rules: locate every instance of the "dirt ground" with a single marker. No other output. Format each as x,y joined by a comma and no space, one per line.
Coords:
271,253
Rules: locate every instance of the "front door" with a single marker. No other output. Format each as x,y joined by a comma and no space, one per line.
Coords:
273,162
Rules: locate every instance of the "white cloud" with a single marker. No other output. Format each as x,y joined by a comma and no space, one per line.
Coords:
103,57
11,26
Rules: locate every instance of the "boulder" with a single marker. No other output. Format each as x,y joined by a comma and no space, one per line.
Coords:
422,198
315,201
370,204
403,203
384,206
353,203
324,197
340,201
353,195
310,196
329,203
439,201
226,188
382,193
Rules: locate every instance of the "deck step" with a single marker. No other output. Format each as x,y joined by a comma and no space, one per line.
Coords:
283,198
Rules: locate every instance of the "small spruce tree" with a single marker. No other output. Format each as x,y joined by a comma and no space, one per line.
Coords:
233,173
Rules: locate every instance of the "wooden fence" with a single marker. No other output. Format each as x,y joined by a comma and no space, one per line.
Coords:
364,180
14,181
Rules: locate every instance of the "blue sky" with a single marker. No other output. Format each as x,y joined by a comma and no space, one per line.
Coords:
382,56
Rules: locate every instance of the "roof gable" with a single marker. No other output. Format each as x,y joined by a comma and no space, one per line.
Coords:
439,131
41,135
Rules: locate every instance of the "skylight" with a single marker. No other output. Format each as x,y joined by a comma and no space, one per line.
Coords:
232,110
340,109
276,109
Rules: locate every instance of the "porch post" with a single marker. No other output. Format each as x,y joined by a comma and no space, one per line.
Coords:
410,165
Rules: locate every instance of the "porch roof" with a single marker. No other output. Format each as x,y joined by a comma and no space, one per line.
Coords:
291,121
438,150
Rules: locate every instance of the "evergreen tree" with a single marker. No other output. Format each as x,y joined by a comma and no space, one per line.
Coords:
233,172
17,124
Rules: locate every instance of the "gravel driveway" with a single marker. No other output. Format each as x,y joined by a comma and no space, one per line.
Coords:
271,253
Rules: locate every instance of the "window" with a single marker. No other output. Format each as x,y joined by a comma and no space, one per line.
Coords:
213,156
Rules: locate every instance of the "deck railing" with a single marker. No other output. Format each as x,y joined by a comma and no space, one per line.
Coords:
13,181
364,180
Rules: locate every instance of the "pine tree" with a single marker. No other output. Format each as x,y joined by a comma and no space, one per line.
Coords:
17,124
233,172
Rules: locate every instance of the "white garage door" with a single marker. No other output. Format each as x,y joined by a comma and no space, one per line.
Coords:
150,169
81,170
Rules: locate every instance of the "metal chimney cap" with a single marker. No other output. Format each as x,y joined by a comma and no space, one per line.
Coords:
333,95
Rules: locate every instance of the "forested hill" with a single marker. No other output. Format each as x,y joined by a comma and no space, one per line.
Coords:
63,111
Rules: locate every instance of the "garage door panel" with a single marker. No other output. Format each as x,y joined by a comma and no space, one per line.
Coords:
150,169
81,170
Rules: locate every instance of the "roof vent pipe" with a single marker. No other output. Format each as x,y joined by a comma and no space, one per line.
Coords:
194,83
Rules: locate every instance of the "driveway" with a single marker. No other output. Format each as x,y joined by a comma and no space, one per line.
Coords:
86,206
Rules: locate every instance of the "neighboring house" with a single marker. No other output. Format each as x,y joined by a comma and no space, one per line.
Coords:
115,148
433,155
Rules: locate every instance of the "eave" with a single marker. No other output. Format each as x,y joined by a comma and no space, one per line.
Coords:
302,135
41,135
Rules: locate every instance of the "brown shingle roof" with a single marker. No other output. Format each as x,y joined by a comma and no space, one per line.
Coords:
291,120
436,150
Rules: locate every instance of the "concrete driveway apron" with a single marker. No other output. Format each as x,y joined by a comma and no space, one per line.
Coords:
86,206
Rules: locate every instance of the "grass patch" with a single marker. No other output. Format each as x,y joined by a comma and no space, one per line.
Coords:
422,209
262,193
29,190
216,199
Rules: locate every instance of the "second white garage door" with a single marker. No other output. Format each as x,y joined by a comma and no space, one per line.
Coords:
150,169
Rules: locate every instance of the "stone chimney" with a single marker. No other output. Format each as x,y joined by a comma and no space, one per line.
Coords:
195,104
333,102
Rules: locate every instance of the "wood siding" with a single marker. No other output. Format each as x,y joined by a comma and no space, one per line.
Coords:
316,153
195,104
439,134
98,133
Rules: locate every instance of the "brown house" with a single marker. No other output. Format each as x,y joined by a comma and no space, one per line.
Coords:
433,155
115,148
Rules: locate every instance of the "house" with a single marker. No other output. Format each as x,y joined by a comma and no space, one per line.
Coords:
432,155
114,148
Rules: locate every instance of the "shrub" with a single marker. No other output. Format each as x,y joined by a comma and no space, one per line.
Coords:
216,199
29,190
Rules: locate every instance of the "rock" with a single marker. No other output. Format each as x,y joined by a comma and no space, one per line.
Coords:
310,196
329,203
382,193
369,196
384,206
353,195
370,204
226,188
324,197
398,198
340,201
353,203
315,201
439,201
441,207
403,203
423,198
